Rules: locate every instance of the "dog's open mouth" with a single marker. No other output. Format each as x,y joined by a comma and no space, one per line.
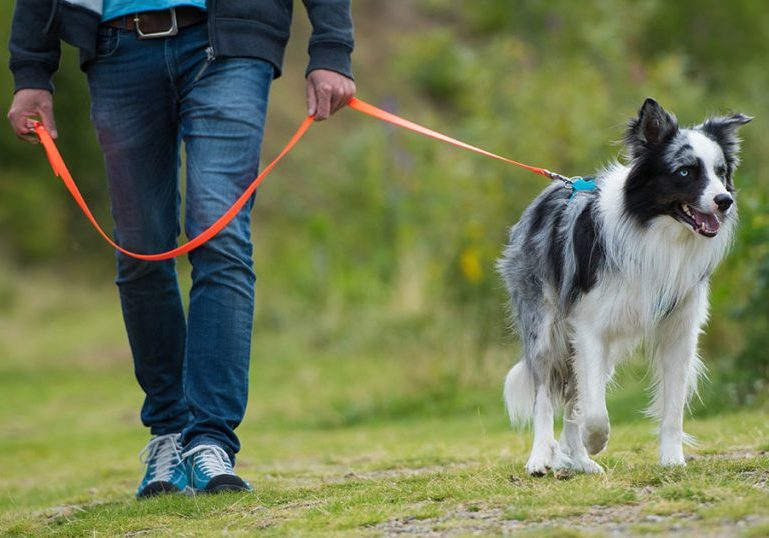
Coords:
706,224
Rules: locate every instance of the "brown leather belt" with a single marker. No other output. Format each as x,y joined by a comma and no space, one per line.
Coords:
157,24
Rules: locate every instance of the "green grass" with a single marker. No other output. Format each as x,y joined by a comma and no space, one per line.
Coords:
384,427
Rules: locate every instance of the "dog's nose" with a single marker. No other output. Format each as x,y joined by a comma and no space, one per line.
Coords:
723,201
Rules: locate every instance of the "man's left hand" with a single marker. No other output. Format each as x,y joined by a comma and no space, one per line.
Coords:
327,92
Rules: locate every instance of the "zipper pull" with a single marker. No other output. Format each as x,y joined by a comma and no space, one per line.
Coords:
210,56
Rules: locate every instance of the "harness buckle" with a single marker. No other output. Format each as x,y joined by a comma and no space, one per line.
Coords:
172,30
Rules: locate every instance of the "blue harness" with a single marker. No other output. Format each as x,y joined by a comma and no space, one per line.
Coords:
579,183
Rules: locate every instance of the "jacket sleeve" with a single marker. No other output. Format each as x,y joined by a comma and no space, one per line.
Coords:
332,41
34,54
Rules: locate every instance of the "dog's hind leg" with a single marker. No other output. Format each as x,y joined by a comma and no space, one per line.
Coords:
571,442
546,454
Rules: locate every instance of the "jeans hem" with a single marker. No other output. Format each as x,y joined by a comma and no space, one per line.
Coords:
167,428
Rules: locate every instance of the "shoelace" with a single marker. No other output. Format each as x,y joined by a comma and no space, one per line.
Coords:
212,459
164,450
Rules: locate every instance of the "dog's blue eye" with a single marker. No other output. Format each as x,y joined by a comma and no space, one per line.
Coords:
683,172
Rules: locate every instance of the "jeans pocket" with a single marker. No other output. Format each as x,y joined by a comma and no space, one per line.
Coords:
107,42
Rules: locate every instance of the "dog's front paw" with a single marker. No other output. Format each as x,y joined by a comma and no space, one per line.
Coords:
671,451
586,465
672,460
543,460
537,467
595,434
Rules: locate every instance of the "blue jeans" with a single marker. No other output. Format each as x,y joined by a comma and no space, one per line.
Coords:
147,97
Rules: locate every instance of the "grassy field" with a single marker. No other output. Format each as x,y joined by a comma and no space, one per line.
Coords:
381,428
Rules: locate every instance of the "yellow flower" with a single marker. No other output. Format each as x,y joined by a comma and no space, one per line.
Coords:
470,264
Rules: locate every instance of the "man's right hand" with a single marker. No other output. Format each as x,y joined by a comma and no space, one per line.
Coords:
27,106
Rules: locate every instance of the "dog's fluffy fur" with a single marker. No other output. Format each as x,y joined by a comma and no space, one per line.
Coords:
592,277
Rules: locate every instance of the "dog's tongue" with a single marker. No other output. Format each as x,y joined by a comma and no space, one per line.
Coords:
706,222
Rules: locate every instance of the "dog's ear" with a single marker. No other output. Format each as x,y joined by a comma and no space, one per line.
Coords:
723,129
653,125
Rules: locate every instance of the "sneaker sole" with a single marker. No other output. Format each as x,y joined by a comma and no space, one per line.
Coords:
164,488
224,488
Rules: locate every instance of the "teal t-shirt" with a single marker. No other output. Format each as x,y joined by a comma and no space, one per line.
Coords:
117,8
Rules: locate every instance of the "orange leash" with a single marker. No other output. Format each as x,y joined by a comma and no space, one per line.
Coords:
60,170
378,113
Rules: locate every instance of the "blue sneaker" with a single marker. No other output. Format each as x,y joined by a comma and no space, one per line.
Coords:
210,470
166,472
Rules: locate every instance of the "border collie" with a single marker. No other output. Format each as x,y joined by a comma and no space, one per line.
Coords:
594,274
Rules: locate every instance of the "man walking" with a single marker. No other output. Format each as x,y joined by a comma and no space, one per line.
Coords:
163,72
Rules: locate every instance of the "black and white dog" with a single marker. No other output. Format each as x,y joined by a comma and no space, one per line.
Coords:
593,276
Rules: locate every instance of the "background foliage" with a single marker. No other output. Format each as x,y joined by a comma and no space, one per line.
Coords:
367,234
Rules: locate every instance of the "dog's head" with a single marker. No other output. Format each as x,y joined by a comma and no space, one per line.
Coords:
684,173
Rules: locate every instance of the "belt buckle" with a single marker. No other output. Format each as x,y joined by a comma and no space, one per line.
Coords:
172,31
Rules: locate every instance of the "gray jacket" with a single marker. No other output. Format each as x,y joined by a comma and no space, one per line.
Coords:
241,28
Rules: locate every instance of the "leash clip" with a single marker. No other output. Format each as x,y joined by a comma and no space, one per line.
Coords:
575,183
555,176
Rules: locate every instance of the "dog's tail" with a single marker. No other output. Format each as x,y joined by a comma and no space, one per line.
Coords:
519,394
